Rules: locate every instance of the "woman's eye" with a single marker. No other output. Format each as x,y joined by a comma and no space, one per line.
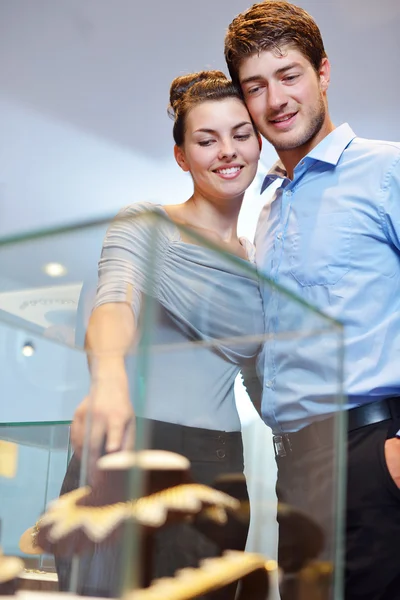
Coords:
242,137
205,143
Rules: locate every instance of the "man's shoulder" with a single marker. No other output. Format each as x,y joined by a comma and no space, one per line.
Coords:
378,149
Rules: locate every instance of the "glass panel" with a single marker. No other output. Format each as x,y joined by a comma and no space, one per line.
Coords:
41,453
198,325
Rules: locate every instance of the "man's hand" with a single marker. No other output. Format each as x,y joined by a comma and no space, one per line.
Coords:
104,419
392,456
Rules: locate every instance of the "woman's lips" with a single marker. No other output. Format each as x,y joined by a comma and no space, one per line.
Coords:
228,172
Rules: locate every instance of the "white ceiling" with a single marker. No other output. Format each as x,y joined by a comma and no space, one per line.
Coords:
83,96
105,66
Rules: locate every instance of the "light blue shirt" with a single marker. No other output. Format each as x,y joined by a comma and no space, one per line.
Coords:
331,236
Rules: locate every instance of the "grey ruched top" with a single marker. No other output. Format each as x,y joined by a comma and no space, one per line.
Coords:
206,316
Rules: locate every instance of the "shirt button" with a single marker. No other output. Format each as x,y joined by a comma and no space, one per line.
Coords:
221,453
288,192
269,383
279,236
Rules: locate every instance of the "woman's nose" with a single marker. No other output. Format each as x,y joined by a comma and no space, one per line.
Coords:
227,150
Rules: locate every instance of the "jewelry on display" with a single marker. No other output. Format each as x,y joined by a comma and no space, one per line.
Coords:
148,460
28,542
65,515
212,574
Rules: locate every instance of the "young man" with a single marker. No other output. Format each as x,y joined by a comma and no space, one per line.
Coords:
331,235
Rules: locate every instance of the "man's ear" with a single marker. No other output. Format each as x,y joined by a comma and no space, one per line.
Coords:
259,140
181,158
325,74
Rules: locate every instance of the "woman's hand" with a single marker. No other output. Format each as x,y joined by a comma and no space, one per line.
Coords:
105,419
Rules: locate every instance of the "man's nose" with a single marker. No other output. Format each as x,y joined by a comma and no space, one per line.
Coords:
276,98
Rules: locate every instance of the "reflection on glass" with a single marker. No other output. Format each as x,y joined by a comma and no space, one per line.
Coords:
196,328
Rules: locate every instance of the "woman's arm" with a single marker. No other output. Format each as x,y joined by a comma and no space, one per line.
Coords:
110,336
123,276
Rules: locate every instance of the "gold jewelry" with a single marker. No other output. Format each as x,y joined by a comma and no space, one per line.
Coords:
28,542
34,533
212,574
65,515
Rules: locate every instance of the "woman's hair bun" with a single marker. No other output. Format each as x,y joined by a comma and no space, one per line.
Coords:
181,85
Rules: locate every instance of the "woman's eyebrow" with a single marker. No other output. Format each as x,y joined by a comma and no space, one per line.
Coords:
213,131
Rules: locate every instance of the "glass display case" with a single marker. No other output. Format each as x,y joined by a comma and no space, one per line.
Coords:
202,338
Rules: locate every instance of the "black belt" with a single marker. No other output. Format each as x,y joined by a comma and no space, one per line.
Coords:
322,432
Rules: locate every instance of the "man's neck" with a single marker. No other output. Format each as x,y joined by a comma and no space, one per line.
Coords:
291,158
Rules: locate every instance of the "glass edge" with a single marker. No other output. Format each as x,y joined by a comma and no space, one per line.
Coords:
37,234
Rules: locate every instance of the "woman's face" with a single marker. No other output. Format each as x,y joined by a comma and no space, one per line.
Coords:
221,149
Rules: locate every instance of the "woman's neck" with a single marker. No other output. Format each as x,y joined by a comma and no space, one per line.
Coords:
219,218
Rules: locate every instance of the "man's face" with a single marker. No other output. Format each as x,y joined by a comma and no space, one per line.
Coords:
286,97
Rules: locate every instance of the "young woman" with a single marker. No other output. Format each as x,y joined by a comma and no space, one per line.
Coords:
200,296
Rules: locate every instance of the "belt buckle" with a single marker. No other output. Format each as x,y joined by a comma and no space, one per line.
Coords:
282,445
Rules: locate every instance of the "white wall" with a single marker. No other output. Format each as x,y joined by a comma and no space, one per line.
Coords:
84,89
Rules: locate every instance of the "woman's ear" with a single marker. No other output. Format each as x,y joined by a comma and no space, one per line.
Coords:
181,158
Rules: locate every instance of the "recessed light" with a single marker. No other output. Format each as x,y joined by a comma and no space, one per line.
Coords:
54,269
28,349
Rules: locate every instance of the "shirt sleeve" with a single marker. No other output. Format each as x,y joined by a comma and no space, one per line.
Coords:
126,268
390,207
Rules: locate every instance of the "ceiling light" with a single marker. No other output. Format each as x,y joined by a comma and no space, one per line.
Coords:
54,269
28,350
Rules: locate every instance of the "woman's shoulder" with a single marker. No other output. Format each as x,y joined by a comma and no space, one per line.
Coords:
144,217
139,208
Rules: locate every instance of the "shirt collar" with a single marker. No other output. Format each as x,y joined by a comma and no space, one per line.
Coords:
329,150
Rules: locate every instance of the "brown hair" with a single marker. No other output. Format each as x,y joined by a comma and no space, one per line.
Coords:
187,91
272,25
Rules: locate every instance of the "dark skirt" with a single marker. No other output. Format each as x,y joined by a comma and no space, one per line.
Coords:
214,457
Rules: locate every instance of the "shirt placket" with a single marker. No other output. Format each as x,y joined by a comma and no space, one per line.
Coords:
272,309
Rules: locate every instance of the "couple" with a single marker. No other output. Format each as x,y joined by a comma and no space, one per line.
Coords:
331,235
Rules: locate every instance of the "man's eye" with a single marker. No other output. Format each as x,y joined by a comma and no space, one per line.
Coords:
253,90
290,78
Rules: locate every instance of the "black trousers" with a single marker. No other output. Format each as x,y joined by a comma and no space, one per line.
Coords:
372,515
213,455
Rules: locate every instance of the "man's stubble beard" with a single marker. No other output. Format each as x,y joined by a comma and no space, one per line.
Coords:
315,125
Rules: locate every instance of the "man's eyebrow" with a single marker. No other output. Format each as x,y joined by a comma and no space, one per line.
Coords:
260,77
287,68
250,79
238,126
